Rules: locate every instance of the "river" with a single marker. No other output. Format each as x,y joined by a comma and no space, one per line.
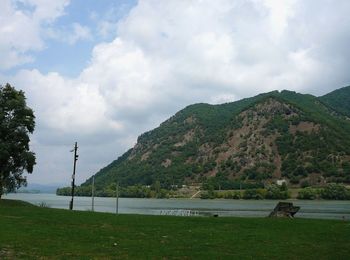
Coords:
240,208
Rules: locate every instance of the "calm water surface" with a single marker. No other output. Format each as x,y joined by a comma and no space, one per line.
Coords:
241,208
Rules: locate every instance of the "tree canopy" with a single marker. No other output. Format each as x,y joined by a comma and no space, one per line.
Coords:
17,121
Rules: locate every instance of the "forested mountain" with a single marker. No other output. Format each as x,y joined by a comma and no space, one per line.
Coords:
255,140
339,100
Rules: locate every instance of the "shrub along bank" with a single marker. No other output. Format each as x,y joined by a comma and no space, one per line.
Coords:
332,191
271,192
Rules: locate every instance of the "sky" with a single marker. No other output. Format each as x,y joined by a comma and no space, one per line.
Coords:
101,73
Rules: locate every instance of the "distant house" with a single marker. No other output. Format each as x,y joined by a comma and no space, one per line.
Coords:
280,182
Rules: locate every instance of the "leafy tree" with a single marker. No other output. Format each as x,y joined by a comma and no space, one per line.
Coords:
16,123
276,192
157,186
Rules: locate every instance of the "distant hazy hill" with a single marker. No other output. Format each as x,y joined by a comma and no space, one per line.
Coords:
260,139
38,188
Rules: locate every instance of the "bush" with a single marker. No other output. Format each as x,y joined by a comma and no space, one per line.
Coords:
275,192
295,179
204,195
219,195
304,184
254,194
335,191
208,195
307,194
232,195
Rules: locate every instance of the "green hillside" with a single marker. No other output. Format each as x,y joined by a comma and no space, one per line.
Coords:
254,141
339,100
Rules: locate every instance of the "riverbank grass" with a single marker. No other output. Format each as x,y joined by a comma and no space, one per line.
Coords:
31,232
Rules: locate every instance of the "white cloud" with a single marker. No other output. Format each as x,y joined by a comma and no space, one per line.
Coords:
279,13
65,105
79,33
21,25
107,23
45,11
106,28
170,54
75,33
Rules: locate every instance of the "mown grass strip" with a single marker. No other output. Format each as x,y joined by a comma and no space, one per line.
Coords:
33,232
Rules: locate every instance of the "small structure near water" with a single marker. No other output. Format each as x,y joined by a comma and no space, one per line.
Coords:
284,209
179,212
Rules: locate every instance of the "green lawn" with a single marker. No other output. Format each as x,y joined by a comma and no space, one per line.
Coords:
30,232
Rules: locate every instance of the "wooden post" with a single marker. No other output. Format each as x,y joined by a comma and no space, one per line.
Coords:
93,193
73,176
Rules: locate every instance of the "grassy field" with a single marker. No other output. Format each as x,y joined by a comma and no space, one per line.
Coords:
30,232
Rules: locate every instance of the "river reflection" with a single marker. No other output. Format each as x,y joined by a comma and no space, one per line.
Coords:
238,208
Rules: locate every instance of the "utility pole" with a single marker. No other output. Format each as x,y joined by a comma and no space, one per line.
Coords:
117,198
73,176
93,193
